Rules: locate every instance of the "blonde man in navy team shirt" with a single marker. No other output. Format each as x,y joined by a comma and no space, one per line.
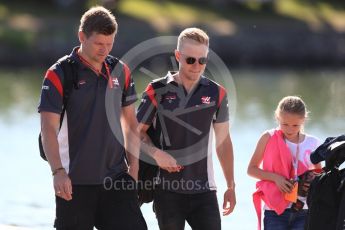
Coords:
184,107
86,157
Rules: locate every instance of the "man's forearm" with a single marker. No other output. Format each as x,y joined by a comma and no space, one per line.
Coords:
146,145
132,152
226,158
51,149
132,143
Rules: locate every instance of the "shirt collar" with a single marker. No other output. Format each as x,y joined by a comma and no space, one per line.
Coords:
75,57
171,78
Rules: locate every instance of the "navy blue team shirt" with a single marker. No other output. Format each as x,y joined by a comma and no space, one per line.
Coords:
185,121
88,148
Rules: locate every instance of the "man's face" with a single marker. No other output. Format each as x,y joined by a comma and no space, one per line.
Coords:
97,46
189,57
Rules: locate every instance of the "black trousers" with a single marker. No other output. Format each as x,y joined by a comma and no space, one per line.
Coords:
201,211
106,207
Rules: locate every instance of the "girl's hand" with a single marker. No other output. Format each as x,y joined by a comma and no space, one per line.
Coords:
284,185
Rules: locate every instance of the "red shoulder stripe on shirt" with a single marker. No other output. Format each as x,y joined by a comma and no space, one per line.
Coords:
150,91
127,76
53,78
222,93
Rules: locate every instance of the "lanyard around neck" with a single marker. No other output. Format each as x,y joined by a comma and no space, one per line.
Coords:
295,161
99,72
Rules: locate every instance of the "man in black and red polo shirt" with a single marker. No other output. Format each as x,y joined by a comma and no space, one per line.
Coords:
87,154
184,107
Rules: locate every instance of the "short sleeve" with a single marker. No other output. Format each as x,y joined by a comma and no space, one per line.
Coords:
222,113
129,95
314,142
148,106
51,98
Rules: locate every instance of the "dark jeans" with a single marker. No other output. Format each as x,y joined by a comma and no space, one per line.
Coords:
101,207
201,211
288,220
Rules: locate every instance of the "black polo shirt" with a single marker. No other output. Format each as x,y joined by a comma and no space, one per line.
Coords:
184,121
88,148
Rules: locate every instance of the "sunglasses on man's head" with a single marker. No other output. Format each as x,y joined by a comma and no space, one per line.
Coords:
192,60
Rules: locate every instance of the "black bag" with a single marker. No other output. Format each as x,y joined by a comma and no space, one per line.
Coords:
305,180
148,169
323,201
70,80
148,174
326,198
341,211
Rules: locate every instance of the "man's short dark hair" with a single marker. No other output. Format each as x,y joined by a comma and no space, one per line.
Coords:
98,19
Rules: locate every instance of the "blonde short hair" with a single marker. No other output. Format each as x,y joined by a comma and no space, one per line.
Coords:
194,34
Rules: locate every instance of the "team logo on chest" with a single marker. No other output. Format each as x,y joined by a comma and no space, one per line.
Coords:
115,82
205,100
81,82
170,97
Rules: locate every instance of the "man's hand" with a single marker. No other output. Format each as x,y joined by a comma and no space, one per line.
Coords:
63,185
229,201
166,161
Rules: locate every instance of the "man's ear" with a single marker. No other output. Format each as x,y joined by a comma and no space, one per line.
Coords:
81,36
177,55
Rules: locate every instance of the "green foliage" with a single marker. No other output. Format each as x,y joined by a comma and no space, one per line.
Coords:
163,15
17,38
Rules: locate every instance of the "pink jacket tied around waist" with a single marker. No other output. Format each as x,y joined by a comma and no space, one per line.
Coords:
278,159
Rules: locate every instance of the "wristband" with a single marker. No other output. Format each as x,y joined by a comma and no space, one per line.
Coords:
55,171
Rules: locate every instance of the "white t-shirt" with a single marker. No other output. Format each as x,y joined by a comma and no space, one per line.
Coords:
306,147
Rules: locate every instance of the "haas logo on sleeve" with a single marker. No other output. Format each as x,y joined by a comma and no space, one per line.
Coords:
205,100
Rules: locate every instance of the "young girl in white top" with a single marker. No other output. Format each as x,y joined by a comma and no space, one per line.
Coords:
290,114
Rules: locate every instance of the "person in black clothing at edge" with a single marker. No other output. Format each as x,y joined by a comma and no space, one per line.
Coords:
85,156
185,107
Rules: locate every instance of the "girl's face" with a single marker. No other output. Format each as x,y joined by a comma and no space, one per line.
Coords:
290,124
